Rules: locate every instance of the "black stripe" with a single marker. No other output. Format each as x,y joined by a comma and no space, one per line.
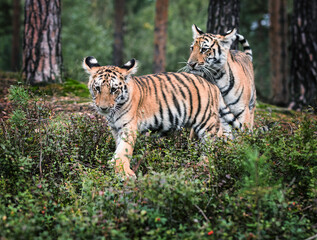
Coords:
252,102
160,127
188,90
222,113
219,50
140,85
210,128
238,115
185,115
205,119
155,120
237,100
231,83
246,48
148,85
242,41
212,44
154,85
166,102
170,116
183,94
176,104
167,82
126,110
198,98
222,73
170,113
125,124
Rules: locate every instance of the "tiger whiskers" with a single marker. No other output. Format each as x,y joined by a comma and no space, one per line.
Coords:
216,73
208,74
184,69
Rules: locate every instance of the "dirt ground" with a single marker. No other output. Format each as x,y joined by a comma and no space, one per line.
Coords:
57,103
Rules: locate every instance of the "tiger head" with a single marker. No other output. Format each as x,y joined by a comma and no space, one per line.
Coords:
108,85
209,51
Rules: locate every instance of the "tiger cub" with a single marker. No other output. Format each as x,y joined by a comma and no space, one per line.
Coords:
230,70
158,102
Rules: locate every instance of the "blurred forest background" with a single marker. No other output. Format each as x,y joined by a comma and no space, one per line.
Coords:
88,28
56,177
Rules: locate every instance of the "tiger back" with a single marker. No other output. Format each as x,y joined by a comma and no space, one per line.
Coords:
230,70
159,102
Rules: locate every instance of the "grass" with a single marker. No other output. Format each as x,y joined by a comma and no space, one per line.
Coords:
56,181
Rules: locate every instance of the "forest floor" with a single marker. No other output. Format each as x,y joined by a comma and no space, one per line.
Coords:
56,180
70,103
56,98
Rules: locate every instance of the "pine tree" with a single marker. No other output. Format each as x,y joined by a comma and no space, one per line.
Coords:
42,52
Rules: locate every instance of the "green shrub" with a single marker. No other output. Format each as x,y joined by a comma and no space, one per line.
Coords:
55,180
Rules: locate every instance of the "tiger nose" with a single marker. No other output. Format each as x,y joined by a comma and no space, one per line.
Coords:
104,108
192,64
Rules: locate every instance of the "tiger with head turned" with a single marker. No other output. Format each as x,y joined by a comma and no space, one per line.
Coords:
158,102
230,70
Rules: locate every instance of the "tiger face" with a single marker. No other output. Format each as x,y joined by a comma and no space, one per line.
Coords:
230,70
209,51
108,84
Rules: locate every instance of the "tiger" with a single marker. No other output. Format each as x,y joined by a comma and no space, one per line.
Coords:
230,70
158,102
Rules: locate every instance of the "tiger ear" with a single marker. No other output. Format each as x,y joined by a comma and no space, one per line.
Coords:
229,38
196,31
131,66
90,64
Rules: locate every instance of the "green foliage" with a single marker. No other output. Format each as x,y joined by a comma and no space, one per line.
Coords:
76,88
19,96
87,31
70,87
56,182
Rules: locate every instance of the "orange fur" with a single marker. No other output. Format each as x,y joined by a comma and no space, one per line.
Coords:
230,70
159,102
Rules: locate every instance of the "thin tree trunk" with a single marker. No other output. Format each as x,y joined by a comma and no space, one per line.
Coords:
160,35
119,6
303,85
223,15
42,52
15,58
278,51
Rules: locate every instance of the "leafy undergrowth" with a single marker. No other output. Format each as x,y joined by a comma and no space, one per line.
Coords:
56,181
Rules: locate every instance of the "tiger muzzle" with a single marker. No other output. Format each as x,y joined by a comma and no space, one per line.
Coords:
192,65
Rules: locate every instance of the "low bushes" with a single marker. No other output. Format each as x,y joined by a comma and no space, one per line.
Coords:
56,182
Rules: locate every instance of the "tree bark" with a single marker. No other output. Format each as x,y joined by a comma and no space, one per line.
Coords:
42,52
15,57
223,15
278,51
304,55
119,6
160,35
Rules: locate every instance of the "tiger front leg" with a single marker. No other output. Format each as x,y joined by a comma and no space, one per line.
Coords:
125,145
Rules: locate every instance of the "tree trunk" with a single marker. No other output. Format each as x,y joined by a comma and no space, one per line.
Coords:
223,15
42,52
278,51
160,35
15,58
304,55
119,6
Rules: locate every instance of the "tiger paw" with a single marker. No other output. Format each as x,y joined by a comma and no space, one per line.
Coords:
129,173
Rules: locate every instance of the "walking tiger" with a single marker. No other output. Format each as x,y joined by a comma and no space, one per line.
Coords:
158,102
